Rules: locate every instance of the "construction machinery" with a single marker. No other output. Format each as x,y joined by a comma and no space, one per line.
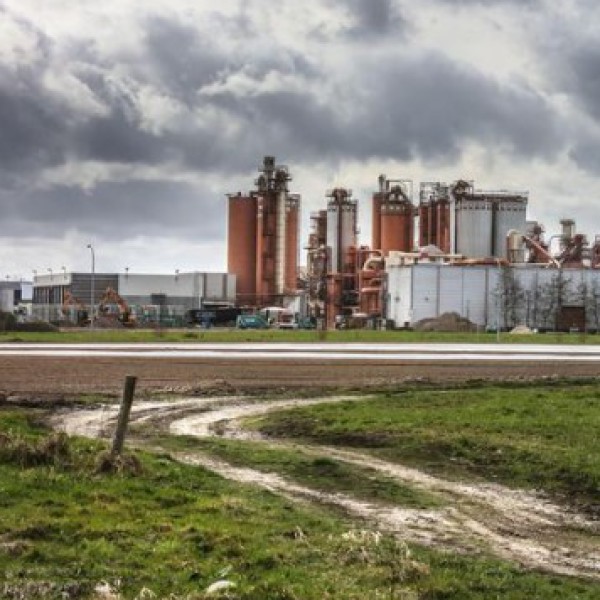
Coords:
113,307
74,310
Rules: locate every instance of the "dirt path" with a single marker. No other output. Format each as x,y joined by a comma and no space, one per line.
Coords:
514,524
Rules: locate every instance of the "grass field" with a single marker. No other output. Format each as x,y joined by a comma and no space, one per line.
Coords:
542,437
319,472
274,335
176,529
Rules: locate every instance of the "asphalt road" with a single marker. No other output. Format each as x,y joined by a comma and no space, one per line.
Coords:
301,352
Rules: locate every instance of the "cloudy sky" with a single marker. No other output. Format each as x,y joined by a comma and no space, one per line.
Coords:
124,124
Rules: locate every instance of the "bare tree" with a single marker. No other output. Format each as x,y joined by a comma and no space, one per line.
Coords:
510,297
550,300
590,294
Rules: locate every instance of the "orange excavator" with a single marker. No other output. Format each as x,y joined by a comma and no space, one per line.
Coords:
74,310
113,306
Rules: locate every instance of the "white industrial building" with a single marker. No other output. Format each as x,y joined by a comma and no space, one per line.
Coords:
152,298
15,296
492,296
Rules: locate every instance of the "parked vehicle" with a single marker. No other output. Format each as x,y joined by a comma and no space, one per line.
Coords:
307,323
217,317
251,322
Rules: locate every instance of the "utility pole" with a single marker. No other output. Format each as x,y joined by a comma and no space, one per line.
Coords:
92,283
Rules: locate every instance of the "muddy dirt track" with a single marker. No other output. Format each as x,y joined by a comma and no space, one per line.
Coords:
514,524
23,374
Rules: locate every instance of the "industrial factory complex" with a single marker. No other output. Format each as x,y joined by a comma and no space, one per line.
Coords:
436,249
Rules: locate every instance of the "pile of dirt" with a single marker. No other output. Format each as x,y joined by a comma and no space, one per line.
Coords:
446,322
103,322
520,330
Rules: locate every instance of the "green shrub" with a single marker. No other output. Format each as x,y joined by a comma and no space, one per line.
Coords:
7,321
49,450
35,327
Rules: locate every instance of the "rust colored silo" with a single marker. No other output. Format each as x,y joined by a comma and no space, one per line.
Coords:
376,221
443,225
291,243
424,237
396,227
241,246
266,250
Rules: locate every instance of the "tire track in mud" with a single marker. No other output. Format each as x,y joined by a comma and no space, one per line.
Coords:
516,525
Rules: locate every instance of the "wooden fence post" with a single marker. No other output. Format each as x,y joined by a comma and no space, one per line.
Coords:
119,439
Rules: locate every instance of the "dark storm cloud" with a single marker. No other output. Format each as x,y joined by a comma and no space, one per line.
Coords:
581,77
373,18
33,124
430,107
523,3
117,211
183,59
426,107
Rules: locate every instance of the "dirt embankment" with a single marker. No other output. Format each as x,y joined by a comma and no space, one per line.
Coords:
45,375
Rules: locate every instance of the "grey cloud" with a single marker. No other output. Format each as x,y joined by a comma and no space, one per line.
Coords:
184,59
117,211
372,18
583,79
32,122
522,3
426,107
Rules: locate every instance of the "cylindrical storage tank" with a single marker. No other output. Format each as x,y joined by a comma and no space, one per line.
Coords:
376,221
474,227
348,232
424,225
515,246
396,227
341,230
291,245
333,228
442,210
241,246
509,214
432,223
266,243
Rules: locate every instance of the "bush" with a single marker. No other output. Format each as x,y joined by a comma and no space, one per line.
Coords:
7,321
35,327
51,450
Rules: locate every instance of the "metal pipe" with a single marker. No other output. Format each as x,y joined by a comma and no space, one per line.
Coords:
373,259
280,233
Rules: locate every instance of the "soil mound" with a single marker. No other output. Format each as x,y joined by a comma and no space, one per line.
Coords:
446,322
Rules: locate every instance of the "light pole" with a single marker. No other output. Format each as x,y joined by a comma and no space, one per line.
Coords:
93,281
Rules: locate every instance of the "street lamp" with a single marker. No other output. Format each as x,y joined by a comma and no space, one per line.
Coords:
93,282
51,274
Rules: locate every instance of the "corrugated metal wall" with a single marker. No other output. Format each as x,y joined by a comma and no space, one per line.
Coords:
490,296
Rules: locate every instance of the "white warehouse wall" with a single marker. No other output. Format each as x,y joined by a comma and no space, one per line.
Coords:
427,290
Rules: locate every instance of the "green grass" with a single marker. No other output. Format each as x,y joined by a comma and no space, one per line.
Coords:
175,529
316,472
538,437
225,335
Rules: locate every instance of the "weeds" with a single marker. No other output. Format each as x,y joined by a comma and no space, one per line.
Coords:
50,450
121,464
